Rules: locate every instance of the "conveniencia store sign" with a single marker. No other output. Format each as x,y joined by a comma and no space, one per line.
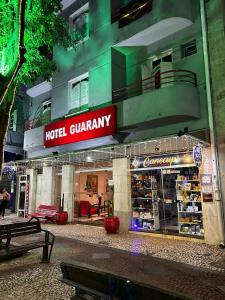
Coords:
99,123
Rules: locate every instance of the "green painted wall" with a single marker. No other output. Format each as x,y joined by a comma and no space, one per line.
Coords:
111,67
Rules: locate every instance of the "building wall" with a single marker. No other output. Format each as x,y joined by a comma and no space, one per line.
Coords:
216,36
111,66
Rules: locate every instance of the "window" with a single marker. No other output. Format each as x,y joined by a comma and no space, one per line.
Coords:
46,105
39,171
79,24
79,91
166,58
188,49
13,121
45,116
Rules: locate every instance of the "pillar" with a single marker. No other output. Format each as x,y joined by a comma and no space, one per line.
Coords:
32,190
122,192
67,190
212,226
48,186
216,22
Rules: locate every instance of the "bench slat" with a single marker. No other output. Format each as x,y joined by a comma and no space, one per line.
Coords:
18,229
23,224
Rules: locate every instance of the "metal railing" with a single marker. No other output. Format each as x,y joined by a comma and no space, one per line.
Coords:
41,120
157,81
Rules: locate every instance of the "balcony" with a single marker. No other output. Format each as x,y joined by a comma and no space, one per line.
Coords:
41,120
158,100
150,21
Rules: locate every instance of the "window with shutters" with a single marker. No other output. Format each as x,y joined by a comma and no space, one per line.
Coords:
79,24
79,91
188,49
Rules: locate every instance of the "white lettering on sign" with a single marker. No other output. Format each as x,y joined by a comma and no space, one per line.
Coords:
84,126
89,125
58,132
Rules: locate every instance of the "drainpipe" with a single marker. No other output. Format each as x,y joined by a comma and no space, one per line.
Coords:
209,95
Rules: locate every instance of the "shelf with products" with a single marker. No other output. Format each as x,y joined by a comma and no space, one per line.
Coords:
189,205
145,216
145,212
191,228
190,212
197,180
195,191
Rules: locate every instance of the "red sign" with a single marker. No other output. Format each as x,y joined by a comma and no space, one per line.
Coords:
87,126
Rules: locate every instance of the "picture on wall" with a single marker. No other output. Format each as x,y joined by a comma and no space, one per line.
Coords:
92,184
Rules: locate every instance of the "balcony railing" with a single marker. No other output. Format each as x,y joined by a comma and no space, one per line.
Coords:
157,81
37,122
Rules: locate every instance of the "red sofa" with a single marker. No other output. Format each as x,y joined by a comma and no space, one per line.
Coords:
87,209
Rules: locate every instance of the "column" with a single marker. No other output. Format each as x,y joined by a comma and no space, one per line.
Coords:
48,186
217,70
122,192
210,207
32,190
68,190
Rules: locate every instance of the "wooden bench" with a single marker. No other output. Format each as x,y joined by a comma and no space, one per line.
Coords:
46,212
93,283
10,231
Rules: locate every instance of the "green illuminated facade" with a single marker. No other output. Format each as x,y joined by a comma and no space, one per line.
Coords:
146,58
108,58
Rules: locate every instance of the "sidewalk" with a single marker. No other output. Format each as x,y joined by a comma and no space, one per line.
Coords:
196,271
189,252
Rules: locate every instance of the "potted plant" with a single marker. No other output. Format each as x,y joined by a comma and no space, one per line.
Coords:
61,216
111,223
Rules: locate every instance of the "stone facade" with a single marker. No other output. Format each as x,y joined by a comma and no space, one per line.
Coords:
216,40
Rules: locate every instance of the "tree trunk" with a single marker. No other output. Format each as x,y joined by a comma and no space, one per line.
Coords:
5,110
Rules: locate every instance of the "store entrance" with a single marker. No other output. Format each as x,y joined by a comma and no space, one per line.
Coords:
167,201
93,197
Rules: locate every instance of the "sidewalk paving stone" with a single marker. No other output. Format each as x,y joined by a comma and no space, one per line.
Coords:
195,270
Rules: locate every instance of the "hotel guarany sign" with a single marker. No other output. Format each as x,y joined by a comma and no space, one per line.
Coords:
95,124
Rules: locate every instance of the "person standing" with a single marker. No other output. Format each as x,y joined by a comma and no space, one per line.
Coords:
5,197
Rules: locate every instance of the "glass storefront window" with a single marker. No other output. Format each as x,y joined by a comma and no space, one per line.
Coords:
167,201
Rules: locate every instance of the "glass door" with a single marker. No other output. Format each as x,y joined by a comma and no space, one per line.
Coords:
169,222
154,201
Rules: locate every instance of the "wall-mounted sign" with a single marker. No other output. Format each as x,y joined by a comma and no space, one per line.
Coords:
207,197
206,179
162,161
197,154
98,123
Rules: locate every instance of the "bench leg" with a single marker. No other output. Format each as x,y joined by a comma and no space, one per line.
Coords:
45,256
49,219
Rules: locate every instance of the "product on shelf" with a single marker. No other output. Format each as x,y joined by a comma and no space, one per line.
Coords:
189,205
145,215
